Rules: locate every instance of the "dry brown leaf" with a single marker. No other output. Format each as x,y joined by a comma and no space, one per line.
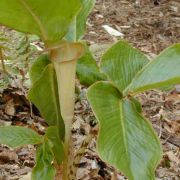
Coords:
9,108
8,156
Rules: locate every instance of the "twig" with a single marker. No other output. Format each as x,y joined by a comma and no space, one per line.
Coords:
2,60
168,138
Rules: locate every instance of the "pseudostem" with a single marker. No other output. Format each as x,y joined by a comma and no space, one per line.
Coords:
65,72
64,59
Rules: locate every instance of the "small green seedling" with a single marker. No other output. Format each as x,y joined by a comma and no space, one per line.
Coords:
126,139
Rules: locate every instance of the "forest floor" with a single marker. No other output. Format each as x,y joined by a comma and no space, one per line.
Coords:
149,27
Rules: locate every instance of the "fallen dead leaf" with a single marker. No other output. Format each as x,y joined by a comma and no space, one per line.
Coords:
26,177
172,157
8,156
9,108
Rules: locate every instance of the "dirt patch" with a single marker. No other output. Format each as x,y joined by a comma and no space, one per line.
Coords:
149,27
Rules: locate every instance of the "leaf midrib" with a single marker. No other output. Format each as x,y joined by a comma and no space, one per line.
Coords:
123,129
36,19
126,90
136,91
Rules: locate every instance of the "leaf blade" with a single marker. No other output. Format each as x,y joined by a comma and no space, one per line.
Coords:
44,94
15,136
43,169
164,70
53,135
87,6
78,26
48,19
87,70
121,63
124,133
38,67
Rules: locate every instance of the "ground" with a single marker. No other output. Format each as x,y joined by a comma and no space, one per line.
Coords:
148,27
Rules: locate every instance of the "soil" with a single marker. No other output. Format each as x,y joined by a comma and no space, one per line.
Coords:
150,27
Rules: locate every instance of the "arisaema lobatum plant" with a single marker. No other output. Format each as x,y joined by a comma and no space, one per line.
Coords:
126,139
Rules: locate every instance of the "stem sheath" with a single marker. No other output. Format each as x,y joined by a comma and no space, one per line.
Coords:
64,59
65,72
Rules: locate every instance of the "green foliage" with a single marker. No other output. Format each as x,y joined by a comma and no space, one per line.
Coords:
126,139
137,104
14,136
53,135
88,70
38,68
121,63
48,19
44,95
78,26
43,168
87,6
52,150
163,71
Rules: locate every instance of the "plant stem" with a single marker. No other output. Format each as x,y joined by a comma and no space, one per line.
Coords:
64,59
27,49
59,172
2,60
65,72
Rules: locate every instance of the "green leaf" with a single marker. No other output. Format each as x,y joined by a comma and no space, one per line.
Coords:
87,6
38,67
44,169
53,135
15,136
121,63
137,104
126,139
49,20
167,88
44,94
78,26
163,71
88,71
71,34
